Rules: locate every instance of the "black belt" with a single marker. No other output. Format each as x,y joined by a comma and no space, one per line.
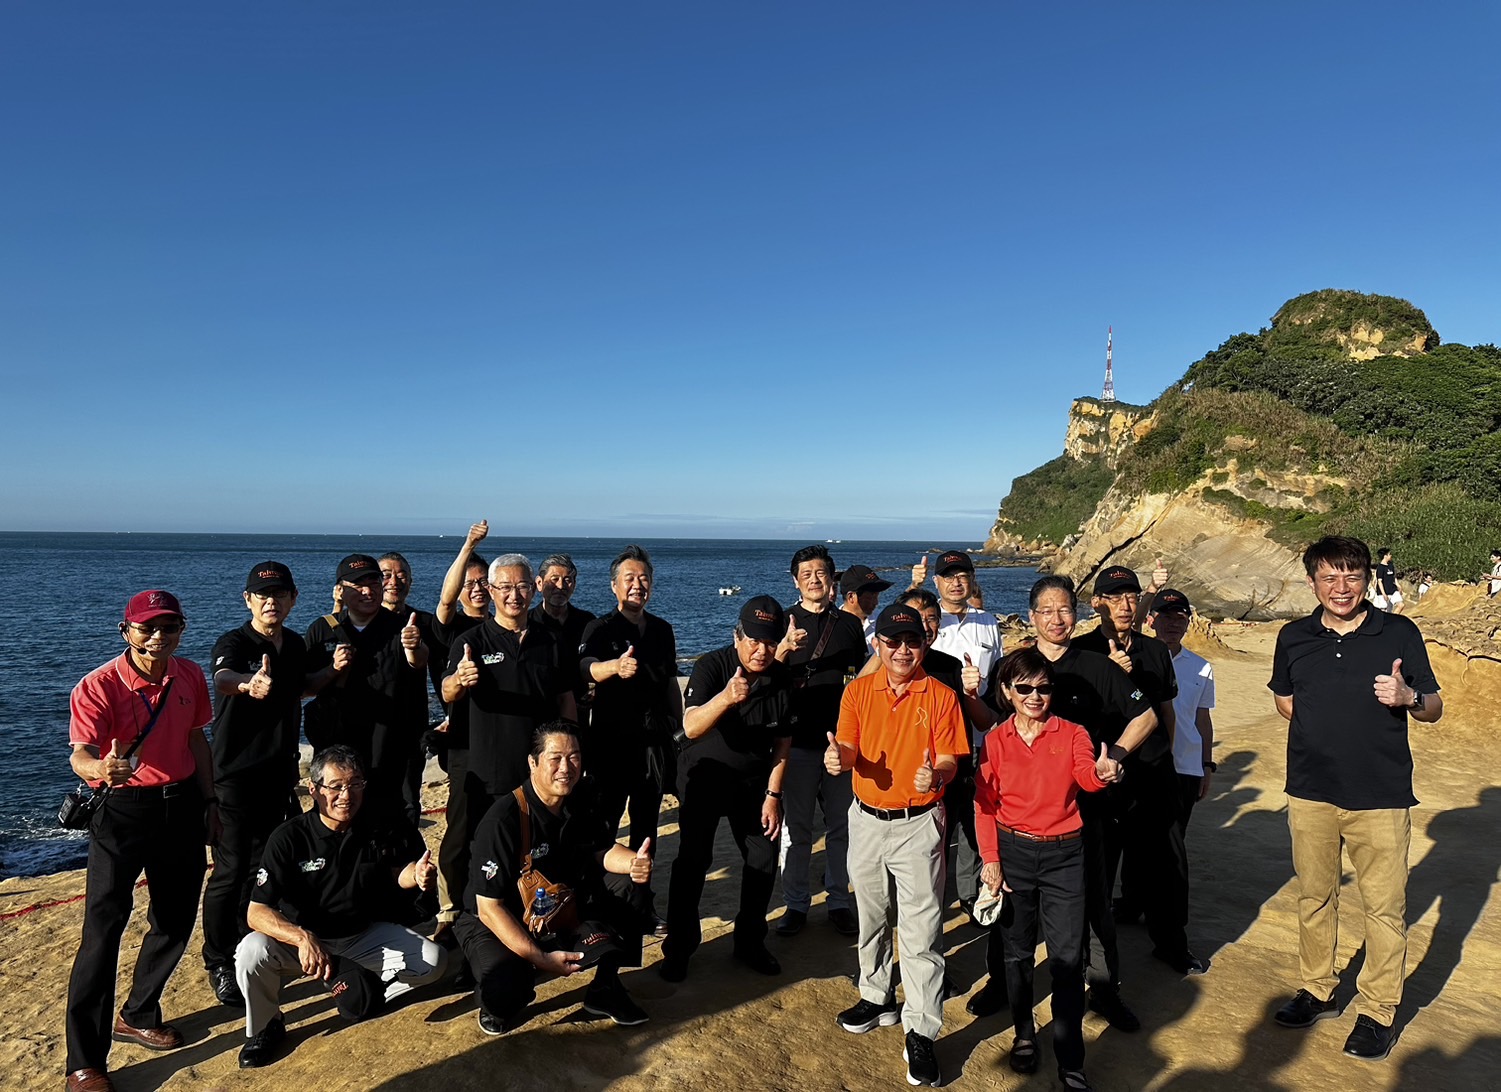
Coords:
156,792
1069,837
895,813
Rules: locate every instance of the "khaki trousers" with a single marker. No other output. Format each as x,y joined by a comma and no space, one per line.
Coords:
1377,841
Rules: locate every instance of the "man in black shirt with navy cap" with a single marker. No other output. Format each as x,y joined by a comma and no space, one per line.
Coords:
258,672
739,731
860,591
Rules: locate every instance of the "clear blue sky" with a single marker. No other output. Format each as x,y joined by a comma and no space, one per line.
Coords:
682,268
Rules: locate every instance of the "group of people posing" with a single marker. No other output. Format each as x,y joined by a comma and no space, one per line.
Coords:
903,735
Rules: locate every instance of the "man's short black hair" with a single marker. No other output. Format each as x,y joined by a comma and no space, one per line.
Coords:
392,555
1338,552
1048,583
1383,553
632,553
921,598
811,553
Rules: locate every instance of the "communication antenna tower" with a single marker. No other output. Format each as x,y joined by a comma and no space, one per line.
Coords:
1109,395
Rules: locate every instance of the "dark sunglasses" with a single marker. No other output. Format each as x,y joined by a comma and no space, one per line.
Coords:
908,640
1025,688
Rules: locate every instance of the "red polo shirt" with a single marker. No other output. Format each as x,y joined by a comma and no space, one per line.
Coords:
1032,788
108,705
890,733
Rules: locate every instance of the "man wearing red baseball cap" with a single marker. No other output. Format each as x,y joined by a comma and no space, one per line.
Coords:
137,734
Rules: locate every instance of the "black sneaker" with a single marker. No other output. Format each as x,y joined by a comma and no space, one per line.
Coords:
792,923
864,1015
845,923
1304,1010
1108,1003
672,970
921,1059
758,959
1369,1040
491,1024
1074,1080
263,1048
989,999
222,979
613,1002
1184,962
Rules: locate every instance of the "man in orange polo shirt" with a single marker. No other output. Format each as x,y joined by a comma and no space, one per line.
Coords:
902,735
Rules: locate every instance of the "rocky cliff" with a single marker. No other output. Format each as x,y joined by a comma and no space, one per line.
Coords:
1101,430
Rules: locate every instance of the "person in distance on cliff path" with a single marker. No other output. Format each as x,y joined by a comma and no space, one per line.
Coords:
313,908
824,648
1388,594
738,726
1347,678
900,734
860,589
136,728
594,913
1495,575
1031,839
259,670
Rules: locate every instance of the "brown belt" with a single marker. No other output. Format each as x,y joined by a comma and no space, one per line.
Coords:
1069,837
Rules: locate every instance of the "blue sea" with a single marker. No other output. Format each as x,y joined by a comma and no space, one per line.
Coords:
67,592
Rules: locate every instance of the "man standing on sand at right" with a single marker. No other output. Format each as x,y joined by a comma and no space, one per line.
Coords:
1347,678
1388,594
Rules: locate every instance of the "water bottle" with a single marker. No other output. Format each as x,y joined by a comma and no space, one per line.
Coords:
542,903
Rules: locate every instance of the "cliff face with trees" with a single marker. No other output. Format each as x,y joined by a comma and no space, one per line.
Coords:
1346,415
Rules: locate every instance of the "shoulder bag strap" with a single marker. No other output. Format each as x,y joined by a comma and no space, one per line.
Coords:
526,828
150,724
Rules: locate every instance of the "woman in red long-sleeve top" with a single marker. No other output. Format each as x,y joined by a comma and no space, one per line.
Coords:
1027,825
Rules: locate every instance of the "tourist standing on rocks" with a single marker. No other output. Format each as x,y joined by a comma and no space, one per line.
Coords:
1388,594
137,730
1193,736
1495,577
258,676
1347,678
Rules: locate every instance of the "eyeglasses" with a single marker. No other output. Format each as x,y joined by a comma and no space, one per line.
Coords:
273,593
1025,688
166,629
470,585
908,641
1061,612
340,790
507,589
368,584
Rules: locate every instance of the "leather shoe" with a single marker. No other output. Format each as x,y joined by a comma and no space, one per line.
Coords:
1304,1009
262,1049
1184,962
1369,1040
988,1000
845,923
165,1037
89,1080
793,921
672,970
659,928
1108,1003
222,979
759,960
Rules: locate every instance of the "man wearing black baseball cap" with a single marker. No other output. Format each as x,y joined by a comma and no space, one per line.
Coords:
258,674
739,731
860,589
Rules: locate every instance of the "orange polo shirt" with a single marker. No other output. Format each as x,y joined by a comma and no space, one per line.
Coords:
889,735
115,701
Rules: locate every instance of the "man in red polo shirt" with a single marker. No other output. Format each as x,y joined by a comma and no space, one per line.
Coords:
901,733
152,820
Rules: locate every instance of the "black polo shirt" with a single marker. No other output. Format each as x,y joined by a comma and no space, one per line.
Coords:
1152,672
520,680
330,882
257,737
569,633
622,707
1088,689
818,684
379,705
740,744
565,847
1386,577
445,636
1343,746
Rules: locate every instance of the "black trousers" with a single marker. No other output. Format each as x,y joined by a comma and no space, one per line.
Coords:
623,774
1102,956
505,983
1188,796
136,830
249,810
1047,890
704,802
1148,830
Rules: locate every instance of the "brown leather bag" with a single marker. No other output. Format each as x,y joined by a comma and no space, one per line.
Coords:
547,908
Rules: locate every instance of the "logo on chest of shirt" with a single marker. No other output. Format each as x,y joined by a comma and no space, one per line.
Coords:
315,865
494,657
329,646
490,868
540,851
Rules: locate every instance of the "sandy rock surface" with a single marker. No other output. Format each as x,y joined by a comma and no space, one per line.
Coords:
726,1028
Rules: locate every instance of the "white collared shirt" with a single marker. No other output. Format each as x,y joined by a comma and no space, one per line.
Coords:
976,633
1195,691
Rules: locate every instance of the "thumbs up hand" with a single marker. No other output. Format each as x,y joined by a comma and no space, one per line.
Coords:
424,872
737,689
1159,574
477,532
626,665
466,674
258,686
922,781
794,637
1119,657
1106,768
641,864
969,676
115,767
920,572
833,758
411,636
1392,690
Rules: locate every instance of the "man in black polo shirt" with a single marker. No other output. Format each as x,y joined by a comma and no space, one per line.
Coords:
739,729
1347,678
365,669
1091,691
1145,803
312,908
824,647
258,676
557,579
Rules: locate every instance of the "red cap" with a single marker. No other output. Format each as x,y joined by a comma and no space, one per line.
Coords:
146,605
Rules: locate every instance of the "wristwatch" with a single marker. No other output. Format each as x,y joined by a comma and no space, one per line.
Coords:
1417,700
1212,767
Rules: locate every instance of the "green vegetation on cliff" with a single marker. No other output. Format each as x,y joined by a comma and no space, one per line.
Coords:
1051,502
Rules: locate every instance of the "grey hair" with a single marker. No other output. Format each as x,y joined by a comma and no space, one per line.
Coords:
557,561
511,561
346,758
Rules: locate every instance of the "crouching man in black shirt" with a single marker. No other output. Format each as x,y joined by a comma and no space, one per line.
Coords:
311,908
547,826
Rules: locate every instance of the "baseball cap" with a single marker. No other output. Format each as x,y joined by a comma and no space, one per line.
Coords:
357,992
899,618
1117,578
268,575
761,618
595,940
357,567
952,561
146,605
858,578
1170,599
